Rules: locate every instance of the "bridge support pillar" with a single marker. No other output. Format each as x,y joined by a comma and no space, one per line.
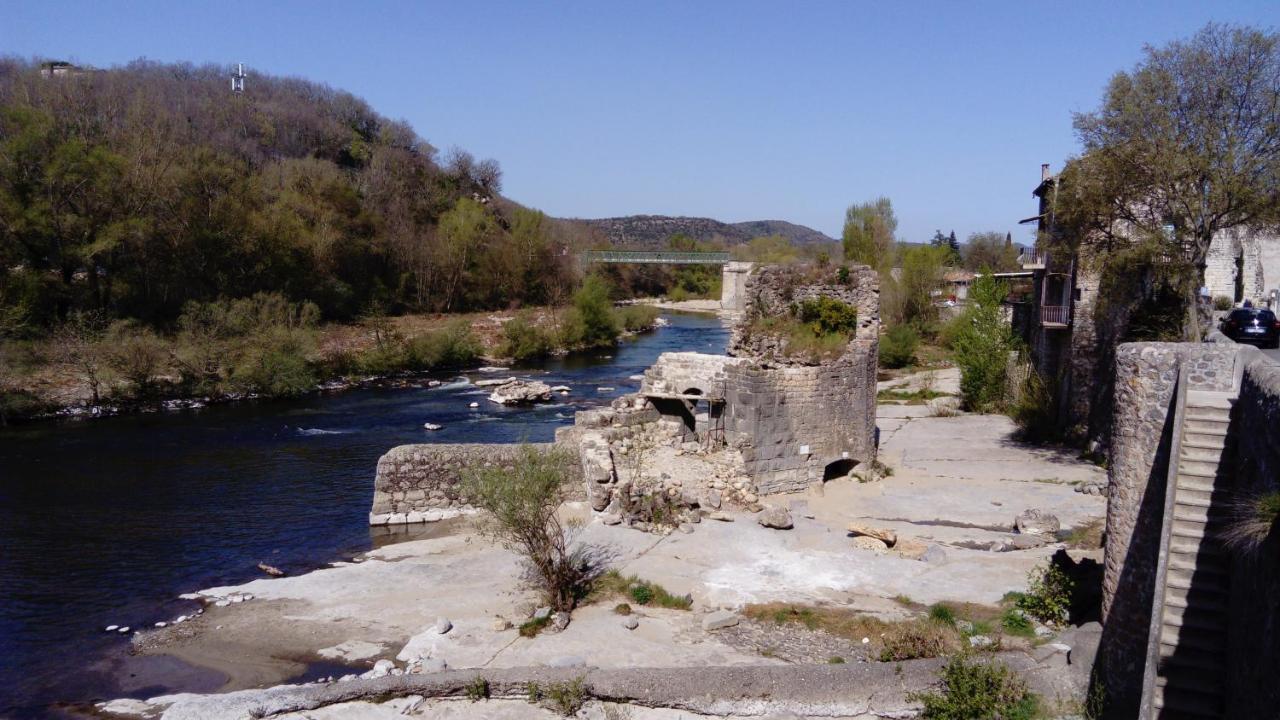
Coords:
733,287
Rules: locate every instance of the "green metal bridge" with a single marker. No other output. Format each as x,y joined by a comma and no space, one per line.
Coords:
654,258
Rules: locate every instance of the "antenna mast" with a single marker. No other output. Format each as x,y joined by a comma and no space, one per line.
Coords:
237,79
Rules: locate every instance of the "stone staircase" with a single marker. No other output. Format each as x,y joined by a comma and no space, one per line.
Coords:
1186,650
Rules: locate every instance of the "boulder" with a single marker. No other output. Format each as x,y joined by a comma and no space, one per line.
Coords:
888,537
1037,522
542,613
775,517
443,625
864,542
1027,542
500,624
630,622
910,548
559,621
980,641
719,620
521,392
721,516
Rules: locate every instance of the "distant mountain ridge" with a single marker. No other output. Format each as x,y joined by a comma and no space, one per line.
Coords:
653,231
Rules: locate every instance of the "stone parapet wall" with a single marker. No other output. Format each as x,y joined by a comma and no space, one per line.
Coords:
419,483
686,373
772,290
1141,442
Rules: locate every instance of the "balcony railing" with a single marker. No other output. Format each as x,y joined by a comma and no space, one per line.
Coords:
1055,315
1033,259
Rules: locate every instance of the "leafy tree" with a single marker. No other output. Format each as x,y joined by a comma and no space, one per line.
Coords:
598,326
921,276
1184,146
982,343
868,235
990,252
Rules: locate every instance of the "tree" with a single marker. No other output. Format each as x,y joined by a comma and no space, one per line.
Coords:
522,504
982,346
868,235
909,298
990,251
952,247
1185,146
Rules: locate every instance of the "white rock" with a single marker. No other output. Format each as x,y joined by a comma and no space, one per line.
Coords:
162,624
562,389
719,620
473,405
112,628
443,625
124,629
630,622
567,661
980,641
431,426
222,603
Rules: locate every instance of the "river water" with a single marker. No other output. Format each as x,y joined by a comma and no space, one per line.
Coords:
106,522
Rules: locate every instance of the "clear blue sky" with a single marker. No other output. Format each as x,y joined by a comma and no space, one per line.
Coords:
731,110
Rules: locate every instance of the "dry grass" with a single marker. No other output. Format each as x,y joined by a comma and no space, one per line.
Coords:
1252,520
887,641
613,584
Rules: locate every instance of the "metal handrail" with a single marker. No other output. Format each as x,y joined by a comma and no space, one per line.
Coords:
655,257
1059,314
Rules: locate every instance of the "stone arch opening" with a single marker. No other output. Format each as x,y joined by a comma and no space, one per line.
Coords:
690,414
838,469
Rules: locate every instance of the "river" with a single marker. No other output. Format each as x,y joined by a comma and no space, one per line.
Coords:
106,522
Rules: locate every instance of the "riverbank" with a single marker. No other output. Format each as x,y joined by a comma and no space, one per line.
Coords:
171,503
44,385
950,507
694,306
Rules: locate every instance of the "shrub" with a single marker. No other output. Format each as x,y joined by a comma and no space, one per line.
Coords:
982,345
531,627
622,609
835,660
136,353
826,315
898,346
1048,595
1222,302
1252,519
1016,623
522,505
452,346
523,341
942,614
597,325
275,364
642,594
978,691
567,698
1035,411
634,318
477,689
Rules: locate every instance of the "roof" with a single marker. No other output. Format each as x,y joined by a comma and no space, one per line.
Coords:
958,276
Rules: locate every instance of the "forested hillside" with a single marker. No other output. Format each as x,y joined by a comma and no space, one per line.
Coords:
134,190
654,231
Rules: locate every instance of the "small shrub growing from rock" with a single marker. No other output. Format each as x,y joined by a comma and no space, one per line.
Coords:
477,690
942,614
898,346
1252,521
1016,623
1048,595
641,594
566,698
622,609
1222,302
835,660
978,691
918,639
531,628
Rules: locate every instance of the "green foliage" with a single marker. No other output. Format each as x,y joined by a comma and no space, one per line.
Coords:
477,689
523,341
913,639
826,315
299,190
909,299
641,594
942,614
591,322
531,627
1222,302
767,250
835,660
1048,595
1035,410
982,344
978,691
634,318
868,235
136,353
622,609
1252,520
1016,623
898,346
567,698
521,504
452,346
990,252
275,365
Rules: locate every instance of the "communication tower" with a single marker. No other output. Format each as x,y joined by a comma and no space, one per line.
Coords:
237,79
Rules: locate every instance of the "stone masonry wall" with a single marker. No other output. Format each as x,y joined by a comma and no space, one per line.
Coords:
1254,633
1141,440
419,483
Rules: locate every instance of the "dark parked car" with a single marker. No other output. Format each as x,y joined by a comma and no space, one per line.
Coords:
1253,325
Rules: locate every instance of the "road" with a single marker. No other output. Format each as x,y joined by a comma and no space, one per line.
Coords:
1273,354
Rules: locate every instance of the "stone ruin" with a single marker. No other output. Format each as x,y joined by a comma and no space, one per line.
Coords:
729,428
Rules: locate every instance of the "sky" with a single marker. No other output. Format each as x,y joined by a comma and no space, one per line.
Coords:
733,110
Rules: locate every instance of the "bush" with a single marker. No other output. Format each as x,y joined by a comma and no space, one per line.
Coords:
1252,519
1048,595
275,365
982,345
942,614
136,353
641,592
898,346
827,315
634,318
596,324
531,627
522,505
1035,411
978,691
523,341
452,346
478,689
567,698
918,639
1222,302
1015,622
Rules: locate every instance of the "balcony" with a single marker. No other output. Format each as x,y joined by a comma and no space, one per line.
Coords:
1033,259
1055,316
